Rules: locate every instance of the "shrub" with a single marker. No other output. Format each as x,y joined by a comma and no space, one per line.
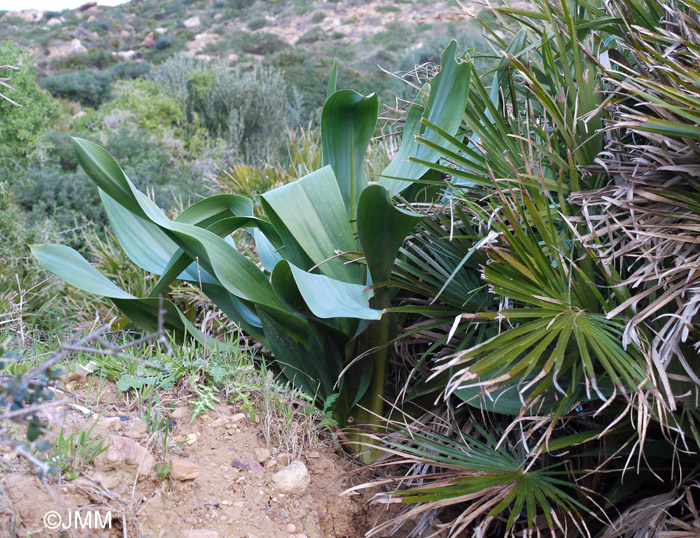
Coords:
314,34
145,105
100,59
163,42
88,87
257,23
260,43
22,125
247,109
130,69
101,27
318,17
174,74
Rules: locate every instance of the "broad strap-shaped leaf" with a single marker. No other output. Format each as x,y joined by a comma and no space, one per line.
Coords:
347,125
67,264
147,245
449,90
382,228
239,275
313,213
268,254
330,298
214,208
106,173
313,367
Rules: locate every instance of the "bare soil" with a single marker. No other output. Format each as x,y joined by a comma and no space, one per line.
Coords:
233,495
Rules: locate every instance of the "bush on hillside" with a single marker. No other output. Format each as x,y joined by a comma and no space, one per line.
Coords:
260,43
130,69
87,87
22,125
100,59
248,110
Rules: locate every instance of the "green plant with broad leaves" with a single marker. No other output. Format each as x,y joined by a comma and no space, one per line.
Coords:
314,310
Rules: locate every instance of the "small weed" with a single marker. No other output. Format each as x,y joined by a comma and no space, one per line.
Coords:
73,453
206,398
163,470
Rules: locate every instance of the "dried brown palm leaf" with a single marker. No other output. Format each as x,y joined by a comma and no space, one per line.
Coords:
667,515
647,224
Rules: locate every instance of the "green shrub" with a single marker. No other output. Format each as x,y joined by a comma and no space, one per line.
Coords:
247,109
130,69
101,26
318,17
163,42
257,23
100,59
146,105
312,35
260,43
22,125
88,87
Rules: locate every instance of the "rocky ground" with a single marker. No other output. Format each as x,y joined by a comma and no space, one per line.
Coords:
224,480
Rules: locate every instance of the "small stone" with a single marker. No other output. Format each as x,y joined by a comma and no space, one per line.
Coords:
261,454
269,464
200,533
125,455
291,528
294,478
299,535
218,422
109,424
237,417
283,459
180,413
137,430
257,469
239,504
191,439
314,454
184,469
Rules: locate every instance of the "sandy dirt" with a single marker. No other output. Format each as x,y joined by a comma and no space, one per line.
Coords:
226,482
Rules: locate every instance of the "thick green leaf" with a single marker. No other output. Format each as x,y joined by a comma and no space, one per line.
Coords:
330,298
382,228
147,245
214,208
332,81
235,272
106,173
268,254
309,371
68,265
347,124
312,211
449,90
